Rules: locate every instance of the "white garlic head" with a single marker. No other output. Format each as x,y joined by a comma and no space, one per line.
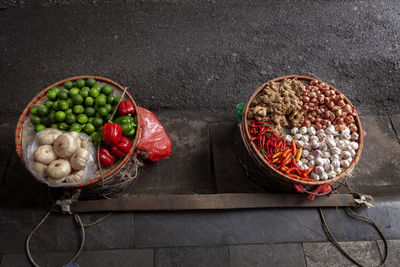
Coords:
79,159
74,177
294,130
354,136
39,168
315,176
65,145
297,136
45,154
303,130
47,136
311,131
58,169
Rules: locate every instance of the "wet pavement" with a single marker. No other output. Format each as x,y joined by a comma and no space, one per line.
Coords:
191,62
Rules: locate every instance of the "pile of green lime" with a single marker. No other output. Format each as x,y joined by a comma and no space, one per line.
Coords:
82,105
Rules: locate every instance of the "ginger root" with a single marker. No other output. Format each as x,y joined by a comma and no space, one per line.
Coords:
279,103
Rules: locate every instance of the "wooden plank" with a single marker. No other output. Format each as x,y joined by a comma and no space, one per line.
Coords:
211,202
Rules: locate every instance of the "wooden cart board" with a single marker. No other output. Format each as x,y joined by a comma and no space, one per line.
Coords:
211,202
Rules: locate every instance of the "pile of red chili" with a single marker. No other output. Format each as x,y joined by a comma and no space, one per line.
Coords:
277,152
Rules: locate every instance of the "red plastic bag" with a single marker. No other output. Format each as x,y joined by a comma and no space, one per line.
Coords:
154,142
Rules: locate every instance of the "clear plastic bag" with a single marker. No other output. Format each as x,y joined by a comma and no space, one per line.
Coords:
89,171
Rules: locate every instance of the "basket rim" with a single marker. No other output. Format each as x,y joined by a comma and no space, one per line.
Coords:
42,94
279,174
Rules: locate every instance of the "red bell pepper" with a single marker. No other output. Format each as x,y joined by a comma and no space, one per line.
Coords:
112,133
106,158
126,107
122,149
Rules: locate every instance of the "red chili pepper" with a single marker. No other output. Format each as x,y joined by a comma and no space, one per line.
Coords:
294,169
293,146
106,158
299,188
286,159
308,171
123,148
112,133
126,107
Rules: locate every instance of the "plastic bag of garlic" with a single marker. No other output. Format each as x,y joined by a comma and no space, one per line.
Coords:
58,158
329,150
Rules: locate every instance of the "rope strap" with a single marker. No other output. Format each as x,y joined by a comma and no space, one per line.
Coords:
65,206
340,248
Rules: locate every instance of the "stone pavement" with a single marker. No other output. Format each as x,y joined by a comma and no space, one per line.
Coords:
191,62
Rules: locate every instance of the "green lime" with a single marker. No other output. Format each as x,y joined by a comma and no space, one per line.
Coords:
39,127
43,111
94,92
102,111
78,109
110,99
52,116
98,87
89,101
82,118
35,120
80,83
84,92
70,118
90,120
55,89
68,84
46,121
75,127
116,100
63,126
97,122
100,101
78,99
48,103
60,115
102,95
107,117
70,102
107,89
63,105
73,91
90,111
68,111
95,138
52,94
108,107
63,95
89,128
34,110
90,82
55,105
54,126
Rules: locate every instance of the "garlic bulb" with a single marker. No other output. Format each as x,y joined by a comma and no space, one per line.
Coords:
74,177
305,154
297,136
58,169
294,130
319,161
346,155
319,170
311,131
47,136
84,144
65,145
314,138
315,176
39,168
354,136
303,130
331,174
336,164
345,163
335,150
45,154
323,176
79,159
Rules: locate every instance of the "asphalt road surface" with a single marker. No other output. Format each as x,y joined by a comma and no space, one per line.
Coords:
201,57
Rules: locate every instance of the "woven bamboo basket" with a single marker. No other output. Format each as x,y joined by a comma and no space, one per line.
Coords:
257,166
115,178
